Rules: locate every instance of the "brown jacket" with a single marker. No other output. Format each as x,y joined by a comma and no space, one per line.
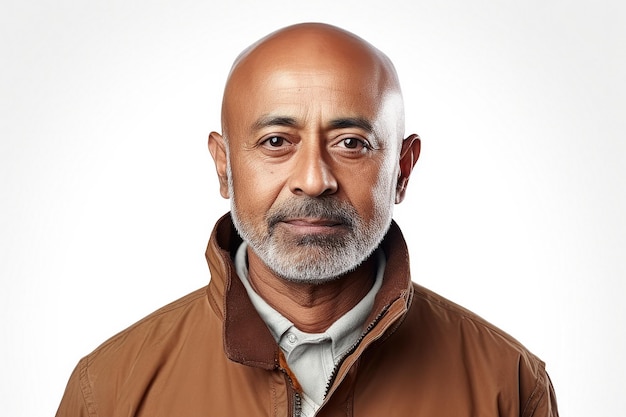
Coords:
210,354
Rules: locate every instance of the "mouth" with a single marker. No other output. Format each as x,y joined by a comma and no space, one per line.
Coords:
314,222
313,225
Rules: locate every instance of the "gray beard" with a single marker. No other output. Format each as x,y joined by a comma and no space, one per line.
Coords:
313,259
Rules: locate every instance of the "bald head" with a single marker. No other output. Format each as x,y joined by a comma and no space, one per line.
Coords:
309,42
311,49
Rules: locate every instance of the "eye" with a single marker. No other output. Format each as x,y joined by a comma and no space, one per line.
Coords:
274,145
353,143
274,141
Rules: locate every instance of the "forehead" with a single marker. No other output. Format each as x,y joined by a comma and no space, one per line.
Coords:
309,87
320,89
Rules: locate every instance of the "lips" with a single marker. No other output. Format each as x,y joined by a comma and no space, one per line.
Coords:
313,226
313,222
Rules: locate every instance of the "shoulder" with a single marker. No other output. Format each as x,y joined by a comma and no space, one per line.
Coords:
152,331
436,312
488,354
448,333
441,350
464,344
127,361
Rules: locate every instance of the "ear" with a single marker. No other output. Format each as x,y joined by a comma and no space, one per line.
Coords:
409,155
217,147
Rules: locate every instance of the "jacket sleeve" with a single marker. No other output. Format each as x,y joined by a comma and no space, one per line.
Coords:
77,399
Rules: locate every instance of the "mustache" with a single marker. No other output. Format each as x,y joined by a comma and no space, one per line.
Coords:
328,208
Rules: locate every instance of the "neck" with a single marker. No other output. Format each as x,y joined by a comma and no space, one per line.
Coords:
312,308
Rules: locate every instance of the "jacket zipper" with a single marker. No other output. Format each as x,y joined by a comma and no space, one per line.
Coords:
351,350
297,404
297,399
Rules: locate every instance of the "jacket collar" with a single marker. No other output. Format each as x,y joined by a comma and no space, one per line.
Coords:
247,339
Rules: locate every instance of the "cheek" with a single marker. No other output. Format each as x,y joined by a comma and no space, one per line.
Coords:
371,192
384,186
255,188
383,191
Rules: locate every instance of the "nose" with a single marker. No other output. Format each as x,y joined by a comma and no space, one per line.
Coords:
311,174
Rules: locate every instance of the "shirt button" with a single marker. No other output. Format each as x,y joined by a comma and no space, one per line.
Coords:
291,338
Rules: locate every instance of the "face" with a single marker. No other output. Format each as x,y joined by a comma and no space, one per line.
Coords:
312,166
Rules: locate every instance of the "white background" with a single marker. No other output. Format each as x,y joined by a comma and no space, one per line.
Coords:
516,209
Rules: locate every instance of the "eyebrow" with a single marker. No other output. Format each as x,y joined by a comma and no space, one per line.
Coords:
267,121
340,123
348,122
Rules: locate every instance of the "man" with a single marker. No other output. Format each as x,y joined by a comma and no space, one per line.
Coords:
310,309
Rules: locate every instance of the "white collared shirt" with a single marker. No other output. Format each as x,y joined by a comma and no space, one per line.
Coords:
312,357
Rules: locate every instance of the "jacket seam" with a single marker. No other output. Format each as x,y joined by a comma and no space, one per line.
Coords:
534,399
86,389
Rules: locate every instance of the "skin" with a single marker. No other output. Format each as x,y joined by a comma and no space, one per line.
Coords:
312,112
